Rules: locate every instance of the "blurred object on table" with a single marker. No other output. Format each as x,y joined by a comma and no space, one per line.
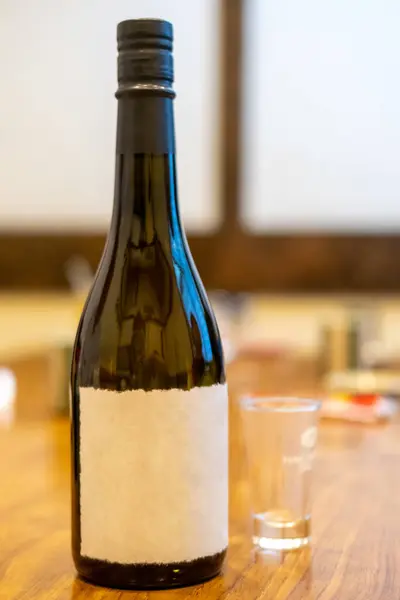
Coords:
364,396
8,391
359,408
79,275
364,382
353,357
350,341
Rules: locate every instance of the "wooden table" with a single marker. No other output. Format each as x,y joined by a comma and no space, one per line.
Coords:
356,523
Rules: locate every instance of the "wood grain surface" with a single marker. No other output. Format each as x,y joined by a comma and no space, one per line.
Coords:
356,522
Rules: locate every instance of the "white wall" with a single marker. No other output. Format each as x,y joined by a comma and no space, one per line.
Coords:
322,119
58,111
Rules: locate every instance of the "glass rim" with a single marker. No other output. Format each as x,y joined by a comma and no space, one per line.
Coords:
279,404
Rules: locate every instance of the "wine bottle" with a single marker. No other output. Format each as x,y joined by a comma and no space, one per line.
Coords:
149,397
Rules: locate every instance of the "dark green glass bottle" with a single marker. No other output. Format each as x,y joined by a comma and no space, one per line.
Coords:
149,398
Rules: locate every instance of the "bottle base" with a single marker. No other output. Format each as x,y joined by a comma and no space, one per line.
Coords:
150,576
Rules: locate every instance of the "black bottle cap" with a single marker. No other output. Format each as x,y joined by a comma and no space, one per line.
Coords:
145,63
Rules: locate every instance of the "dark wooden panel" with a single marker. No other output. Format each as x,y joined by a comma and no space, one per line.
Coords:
234,262
309,263
38,261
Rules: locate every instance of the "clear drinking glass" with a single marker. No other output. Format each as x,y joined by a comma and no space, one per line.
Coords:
280,436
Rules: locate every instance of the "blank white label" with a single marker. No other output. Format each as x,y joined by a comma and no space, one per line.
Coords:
154,474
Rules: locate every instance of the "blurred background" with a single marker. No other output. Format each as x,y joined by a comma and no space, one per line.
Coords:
288,136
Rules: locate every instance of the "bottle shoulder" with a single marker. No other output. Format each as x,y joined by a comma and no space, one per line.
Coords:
148,324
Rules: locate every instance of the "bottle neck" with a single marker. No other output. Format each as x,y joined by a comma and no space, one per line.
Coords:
145,202
145,125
